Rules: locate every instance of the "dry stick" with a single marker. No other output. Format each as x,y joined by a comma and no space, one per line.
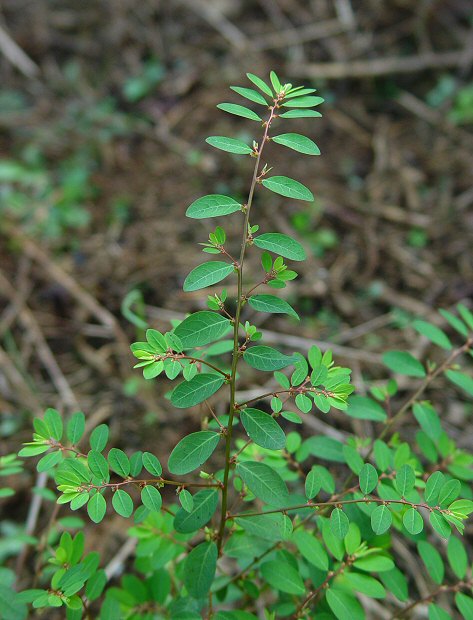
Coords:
16,55
378,66
236,352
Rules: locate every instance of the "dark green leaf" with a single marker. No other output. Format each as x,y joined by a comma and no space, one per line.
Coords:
213,205
449,492
368,478
271,527
457,557
76,427
313,483
201,328
339,523
98,465
264,482
440,524
122,503
365,584
288,187
205,504
207,274
381,519
266,358
199,569
263,429
461,380
151,498
119,462
239,110
99,437
395,581
195,391
54,422
311,549
432,560
428,419
192,451
152,464
271,303
282,245
405,479
433,486
229,144
283,577
413,521
186,500
298,143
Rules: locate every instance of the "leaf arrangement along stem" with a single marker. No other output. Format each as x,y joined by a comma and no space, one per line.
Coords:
279,521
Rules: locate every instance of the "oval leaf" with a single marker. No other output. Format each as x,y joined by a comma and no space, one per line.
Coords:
381,519
213,205
205,504
239,110
297,142
201,328
271,303
151,498
281,244
284,186
199,569
122,503
263,429
264,482
266,358
403,363
250,94
192,451
283,577
207,274
230,145
195,391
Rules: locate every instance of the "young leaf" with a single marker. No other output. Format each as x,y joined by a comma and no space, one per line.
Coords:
264,482
368,478
122,503
403,363
413,521
283,577
273,304
192,451
301,114
230,145
260,84
199,569
282,245
266,358
76,427
199,388
250,94
284,186
381,519
205,504
303,102
298,143
151,498
201,328
207,274
299,92
339,523
96,508
213,205
239,110
263,429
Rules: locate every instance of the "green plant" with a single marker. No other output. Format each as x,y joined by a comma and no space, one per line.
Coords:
266,528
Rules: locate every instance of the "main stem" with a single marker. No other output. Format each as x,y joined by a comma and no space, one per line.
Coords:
236,348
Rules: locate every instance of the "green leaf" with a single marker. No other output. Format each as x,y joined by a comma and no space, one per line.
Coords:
205,504
313,483
96,507
260,84
192,451
464,604
207,274
405,479
122,503
440,524
301,114
156,340
433,333
201,328
457,557
395,581
428,419
283,577
76,427
263,429
239,110
195,391
374,563
271,527
303,102
152,464
466,315
461,380
432,488
282,245
381,519
213,205
49,461
364,408
266,358
432,560
275,82
413,521
438,613
323,447
95,585
284,186
339,523
455,322
186,500
366,584
264,482
462,506
403,363
98,465
299,91
151,498
151,371
119,462
271,303
199,569
99,437
311,549
54,422
368,478
449,492
250,94
298,143
303,403
230,145
344,606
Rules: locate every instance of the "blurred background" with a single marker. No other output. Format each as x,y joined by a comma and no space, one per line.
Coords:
104,107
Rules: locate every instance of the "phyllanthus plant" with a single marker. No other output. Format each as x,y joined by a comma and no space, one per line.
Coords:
279,523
